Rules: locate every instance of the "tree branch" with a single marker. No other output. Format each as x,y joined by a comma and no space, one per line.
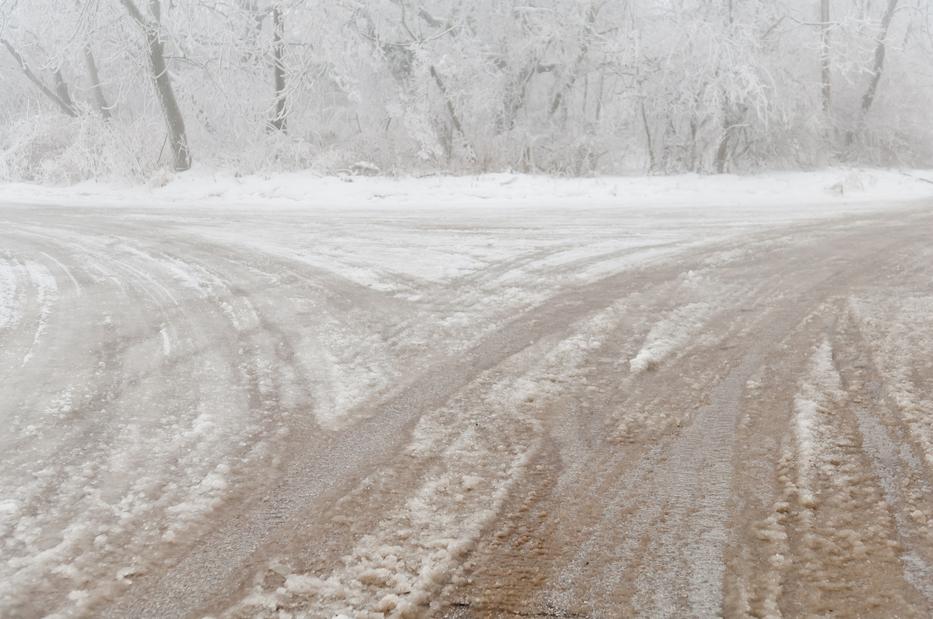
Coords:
66,106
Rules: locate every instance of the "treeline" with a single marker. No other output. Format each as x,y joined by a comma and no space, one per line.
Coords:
127,87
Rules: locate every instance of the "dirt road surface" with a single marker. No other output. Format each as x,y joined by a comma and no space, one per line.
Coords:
474,413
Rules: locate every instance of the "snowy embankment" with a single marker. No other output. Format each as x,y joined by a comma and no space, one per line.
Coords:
841,186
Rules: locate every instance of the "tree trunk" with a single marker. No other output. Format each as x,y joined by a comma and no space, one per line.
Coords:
649,144
825,57
96,86
563,90
61,89
722,152
451,110
174,121
880,52
279,120
64,103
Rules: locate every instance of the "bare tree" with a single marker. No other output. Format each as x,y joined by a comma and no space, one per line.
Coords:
174,121
96,86
825,56
279,120
880,53
59,96
553,86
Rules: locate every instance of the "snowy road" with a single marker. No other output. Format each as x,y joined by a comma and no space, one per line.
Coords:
466,413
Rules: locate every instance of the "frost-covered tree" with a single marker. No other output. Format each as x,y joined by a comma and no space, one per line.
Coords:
151,26
410,86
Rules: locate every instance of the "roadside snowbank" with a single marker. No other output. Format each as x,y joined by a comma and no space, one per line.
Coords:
302,190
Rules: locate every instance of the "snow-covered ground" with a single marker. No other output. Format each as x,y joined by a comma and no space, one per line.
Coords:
202,187
456,396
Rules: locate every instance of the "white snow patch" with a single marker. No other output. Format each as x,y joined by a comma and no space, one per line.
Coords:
74,282
821,385
9,314
900,330
204,497
46,295
670,334
838,186
166,341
